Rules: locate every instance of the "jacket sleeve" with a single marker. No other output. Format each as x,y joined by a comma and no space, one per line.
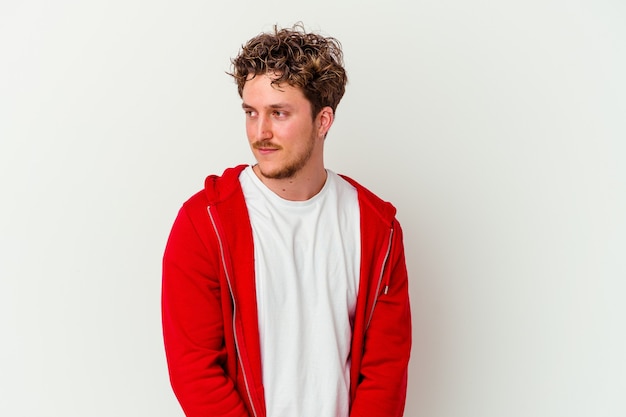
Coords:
193,329
381,389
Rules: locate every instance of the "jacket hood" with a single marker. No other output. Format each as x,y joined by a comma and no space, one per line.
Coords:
218,188
385,210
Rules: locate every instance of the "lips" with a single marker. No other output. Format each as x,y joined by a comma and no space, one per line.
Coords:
264,151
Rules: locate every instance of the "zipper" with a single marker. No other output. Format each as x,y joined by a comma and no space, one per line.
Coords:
380,278
232,296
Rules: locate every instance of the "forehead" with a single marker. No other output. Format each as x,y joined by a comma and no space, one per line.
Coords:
261,87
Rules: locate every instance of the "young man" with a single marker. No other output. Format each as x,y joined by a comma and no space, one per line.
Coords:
284,284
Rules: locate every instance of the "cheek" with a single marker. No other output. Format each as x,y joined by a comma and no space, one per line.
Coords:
296,131
249,130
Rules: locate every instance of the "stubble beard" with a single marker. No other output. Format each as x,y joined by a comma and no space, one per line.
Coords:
292,167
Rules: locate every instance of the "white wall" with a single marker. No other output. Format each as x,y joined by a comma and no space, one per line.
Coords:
498,130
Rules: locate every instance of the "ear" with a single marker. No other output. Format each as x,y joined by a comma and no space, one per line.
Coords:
326,116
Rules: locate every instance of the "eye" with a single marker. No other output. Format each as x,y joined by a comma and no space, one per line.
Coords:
250,113
279,113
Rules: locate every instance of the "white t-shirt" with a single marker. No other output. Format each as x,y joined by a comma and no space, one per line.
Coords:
307,260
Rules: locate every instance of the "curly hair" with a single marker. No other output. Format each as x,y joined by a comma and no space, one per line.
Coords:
309,61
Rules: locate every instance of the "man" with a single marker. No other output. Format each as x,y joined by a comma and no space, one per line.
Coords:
284,284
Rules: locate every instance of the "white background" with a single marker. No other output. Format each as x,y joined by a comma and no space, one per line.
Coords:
497,128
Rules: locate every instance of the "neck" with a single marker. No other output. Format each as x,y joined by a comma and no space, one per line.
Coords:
300,187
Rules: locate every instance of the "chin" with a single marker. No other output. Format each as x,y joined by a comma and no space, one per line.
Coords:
277,173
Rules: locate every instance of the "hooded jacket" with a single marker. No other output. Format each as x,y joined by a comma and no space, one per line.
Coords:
209,310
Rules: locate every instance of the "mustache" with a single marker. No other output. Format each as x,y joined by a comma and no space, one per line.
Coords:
265,144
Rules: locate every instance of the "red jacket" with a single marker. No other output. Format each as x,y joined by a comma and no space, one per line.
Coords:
210,314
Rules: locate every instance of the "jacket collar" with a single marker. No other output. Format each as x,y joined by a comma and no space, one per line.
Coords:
219,188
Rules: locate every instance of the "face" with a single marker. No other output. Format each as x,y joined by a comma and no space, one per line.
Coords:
284,138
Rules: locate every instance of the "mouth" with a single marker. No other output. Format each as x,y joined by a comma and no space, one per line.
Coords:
266,151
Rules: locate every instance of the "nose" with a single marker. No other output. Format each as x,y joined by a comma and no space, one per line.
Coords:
264,128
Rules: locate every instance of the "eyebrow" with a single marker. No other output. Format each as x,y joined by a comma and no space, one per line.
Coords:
246,106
